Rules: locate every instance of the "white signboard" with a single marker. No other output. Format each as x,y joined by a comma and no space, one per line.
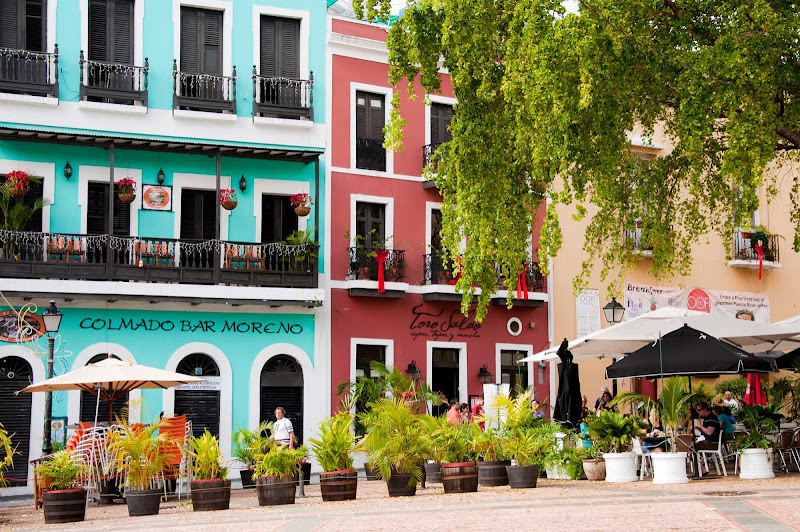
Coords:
587,312
209,384
753,306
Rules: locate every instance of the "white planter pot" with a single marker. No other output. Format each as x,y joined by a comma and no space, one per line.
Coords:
669,468
620,467
558,473
756,463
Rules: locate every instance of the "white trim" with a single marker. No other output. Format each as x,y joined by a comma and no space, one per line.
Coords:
355,342
387,92
388,216
282,122
305,32
28,99
277,187
463,391
185,114
343,18
358,47
516,320
431,99
47,171
99,174
138,31
37,412
370,285
74,396
112,108
198,182
226,393
430,206
498,364
376,173
226,7
52,7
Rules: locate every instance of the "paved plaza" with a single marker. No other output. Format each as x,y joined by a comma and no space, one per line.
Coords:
702,505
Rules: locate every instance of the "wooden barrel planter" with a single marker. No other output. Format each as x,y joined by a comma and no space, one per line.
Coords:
338,485
461,477
276,490
306,467
247,478
143,502
64,506
493,473
209,495
433,472
369,472
398,485
522,476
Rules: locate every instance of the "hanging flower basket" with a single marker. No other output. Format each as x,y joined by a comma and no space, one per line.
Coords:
227,198
302,211
127,190
18,183
301,203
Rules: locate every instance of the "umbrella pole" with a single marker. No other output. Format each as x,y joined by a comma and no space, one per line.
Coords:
694,457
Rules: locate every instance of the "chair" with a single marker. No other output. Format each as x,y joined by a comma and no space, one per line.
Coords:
164,255
144,253
234,256
643,458
75,249
716,454
783,447
252,257
56,249
178,430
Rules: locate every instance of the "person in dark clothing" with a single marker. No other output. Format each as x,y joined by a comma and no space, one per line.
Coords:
603,391
709,427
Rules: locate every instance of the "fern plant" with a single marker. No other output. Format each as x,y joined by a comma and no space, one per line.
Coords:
60,471
450,443
615,429
7,451
335,446
527,446
139,453
278,461
250,444
15,213
207,464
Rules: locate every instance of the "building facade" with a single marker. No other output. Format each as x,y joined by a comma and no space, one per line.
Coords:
392,294
184,99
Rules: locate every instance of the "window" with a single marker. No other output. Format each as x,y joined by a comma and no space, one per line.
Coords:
512,373
370,224
441,116
97,211
35,191
436,230
280,47
198,214
111,31
365,355
278,219
201,41
370,119
22,25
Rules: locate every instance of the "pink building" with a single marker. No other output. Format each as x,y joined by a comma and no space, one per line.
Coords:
380,201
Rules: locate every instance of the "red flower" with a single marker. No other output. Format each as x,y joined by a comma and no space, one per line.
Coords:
301,200
18,179
227,194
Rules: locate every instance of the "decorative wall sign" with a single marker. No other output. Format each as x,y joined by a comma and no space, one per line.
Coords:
10,331
210,384
441,326
156,198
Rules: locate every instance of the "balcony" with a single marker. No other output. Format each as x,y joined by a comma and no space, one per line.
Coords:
282,97
363,271
437,269
156,260
203,92
370,155
113,82
532,280
633,238
31,73
744,254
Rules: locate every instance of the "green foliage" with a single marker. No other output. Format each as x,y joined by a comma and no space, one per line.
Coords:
7,451
785,393
703,393
759,422
14,213
278,461
614,429
530,446
251,443
139,453
450,443
335,446
737,387
489,443
59,471
569,458
207,464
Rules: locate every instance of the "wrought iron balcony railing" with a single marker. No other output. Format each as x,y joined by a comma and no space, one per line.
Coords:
437,269
203,92
364,263
633,238
429,155
370,154
283,97
743,248
532,275
24,72
32,255
113,82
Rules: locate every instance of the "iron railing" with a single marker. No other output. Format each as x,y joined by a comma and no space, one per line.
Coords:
534,279
283,97
429,155
113,82
438,268
370,154
743,248
634,240
115,258
203,92
363,264
24,72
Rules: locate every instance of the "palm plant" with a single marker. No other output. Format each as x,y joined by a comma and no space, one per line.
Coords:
490,442
7,451
759,422
15,213
615,429
527,446
250,444
139,453
207,464
60,471
672,407
450,443
335,446
278,461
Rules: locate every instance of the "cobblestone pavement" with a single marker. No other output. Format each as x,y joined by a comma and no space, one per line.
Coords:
717,504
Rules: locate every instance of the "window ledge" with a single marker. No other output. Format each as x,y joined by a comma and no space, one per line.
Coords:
284,122
203,115
753,264
28,99
113,108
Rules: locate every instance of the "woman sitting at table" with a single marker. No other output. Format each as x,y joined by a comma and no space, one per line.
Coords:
605,403
727,427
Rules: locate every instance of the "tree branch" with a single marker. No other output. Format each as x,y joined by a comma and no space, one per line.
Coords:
792,136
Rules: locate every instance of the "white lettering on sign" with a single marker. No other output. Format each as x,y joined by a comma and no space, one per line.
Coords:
209,384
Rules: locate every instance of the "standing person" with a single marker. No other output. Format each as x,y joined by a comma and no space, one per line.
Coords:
603,391
282,429
465,413
453,415
477,412
535,412
729,401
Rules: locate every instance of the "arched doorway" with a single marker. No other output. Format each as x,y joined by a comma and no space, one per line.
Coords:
282,385
15,413
89,401
200,403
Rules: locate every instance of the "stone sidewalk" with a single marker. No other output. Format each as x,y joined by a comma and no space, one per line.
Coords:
719,504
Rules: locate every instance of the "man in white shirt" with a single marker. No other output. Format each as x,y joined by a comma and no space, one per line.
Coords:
282,430
730,402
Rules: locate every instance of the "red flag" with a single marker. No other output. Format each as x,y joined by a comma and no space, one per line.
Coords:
522,284
380,256
760,251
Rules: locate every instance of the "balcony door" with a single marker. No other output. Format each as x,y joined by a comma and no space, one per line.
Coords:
198,214
278,219
444,379
370,225
23,26
201,53
110,45
370,119
280,58
97,211
441,116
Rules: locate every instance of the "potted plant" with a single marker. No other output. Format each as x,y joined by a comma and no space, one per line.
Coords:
594,467
755,448
673,410
15,214
62,498
457,454
564,463
249,444
17,182
211,489
141,456
617,431
528,447
396,445
301,257
302,204
275,472
8,451
334,451
126,190
227,198
493,462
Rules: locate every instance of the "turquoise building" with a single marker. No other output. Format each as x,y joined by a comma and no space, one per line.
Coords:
138,121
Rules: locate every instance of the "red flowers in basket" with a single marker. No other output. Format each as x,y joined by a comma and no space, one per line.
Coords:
17,179
227,194
301,200
127,186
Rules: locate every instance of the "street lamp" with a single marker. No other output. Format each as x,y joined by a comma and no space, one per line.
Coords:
52,321
485,375
613,311
413,371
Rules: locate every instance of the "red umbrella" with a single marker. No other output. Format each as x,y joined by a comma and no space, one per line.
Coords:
755,392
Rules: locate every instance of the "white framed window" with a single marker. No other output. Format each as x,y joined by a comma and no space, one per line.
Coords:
226,7
138,29
198,182
305,20
502,350
276,187
388,216
461,347
100,174
387,94
357,347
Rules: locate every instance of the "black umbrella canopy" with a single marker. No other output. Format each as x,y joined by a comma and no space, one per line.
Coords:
788,361
568,401
687,351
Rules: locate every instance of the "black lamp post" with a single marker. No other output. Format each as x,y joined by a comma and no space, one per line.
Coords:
485,375
52,321
413,371
613,311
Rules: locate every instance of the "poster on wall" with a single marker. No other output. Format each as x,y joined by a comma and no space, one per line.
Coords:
640,298
156,198
587,312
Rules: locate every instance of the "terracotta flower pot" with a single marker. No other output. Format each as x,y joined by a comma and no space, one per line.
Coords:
17,192
127,198
229,205
302,210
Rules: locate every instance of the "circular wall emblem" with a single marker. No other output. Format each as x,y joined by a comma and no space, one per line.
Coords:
514,326
699,300
156,198
10,330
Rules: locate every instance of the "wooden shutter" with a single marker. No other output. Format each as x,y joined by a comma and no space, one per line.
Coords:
212,42
9,24
435,121
209,215
441,116
201,41
35,191
376,117
122,215
269,52
98,31
189,58
122,31
96,211
188,215
35,26
362,105
280,47
290,48
447,118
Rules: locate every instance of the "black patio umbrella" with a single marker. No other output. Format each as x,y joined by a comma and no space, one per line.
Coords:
568,401
687,352
789,360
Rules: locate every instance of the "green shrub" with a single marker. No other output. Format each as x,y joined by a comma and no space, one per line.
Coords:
279,460
335,446
251,443
207,464
59,471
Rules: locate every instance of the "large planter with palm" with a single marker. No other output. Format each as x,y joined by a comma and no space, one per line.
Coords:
275,472
617,431
334,450
493,462
211,489
62,498
528,447
456,452
248,445
754,448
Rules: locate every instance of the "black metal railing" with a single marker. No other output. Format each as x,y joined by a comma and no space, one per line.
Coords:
429,155
203,92
634,240
370,154
438,268
24,72
532,275
283,97
363,264
743,248
113,82
113,258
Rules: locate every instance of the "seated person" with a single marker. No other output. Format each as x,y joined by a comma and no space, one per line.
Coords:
535,412
727,427
604,403
654,439
708,426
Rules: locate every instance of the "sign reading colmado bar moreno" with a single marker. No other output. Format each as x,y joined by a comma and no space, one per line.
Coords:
212,326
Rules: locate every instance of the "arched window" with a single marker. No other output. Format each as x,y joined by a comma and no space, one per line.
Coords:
15,413
282,385
201,406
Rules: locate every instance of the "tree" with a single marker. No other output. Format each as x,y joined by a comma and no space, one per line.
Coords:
547,101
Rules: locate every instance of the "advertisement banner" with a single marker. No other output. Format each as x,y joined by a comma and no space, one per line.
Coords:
641,298
587,312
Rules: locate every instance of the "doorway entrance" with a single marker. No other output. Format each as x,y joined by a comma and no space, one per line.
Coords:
201,407
282,385
15,414
444,379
